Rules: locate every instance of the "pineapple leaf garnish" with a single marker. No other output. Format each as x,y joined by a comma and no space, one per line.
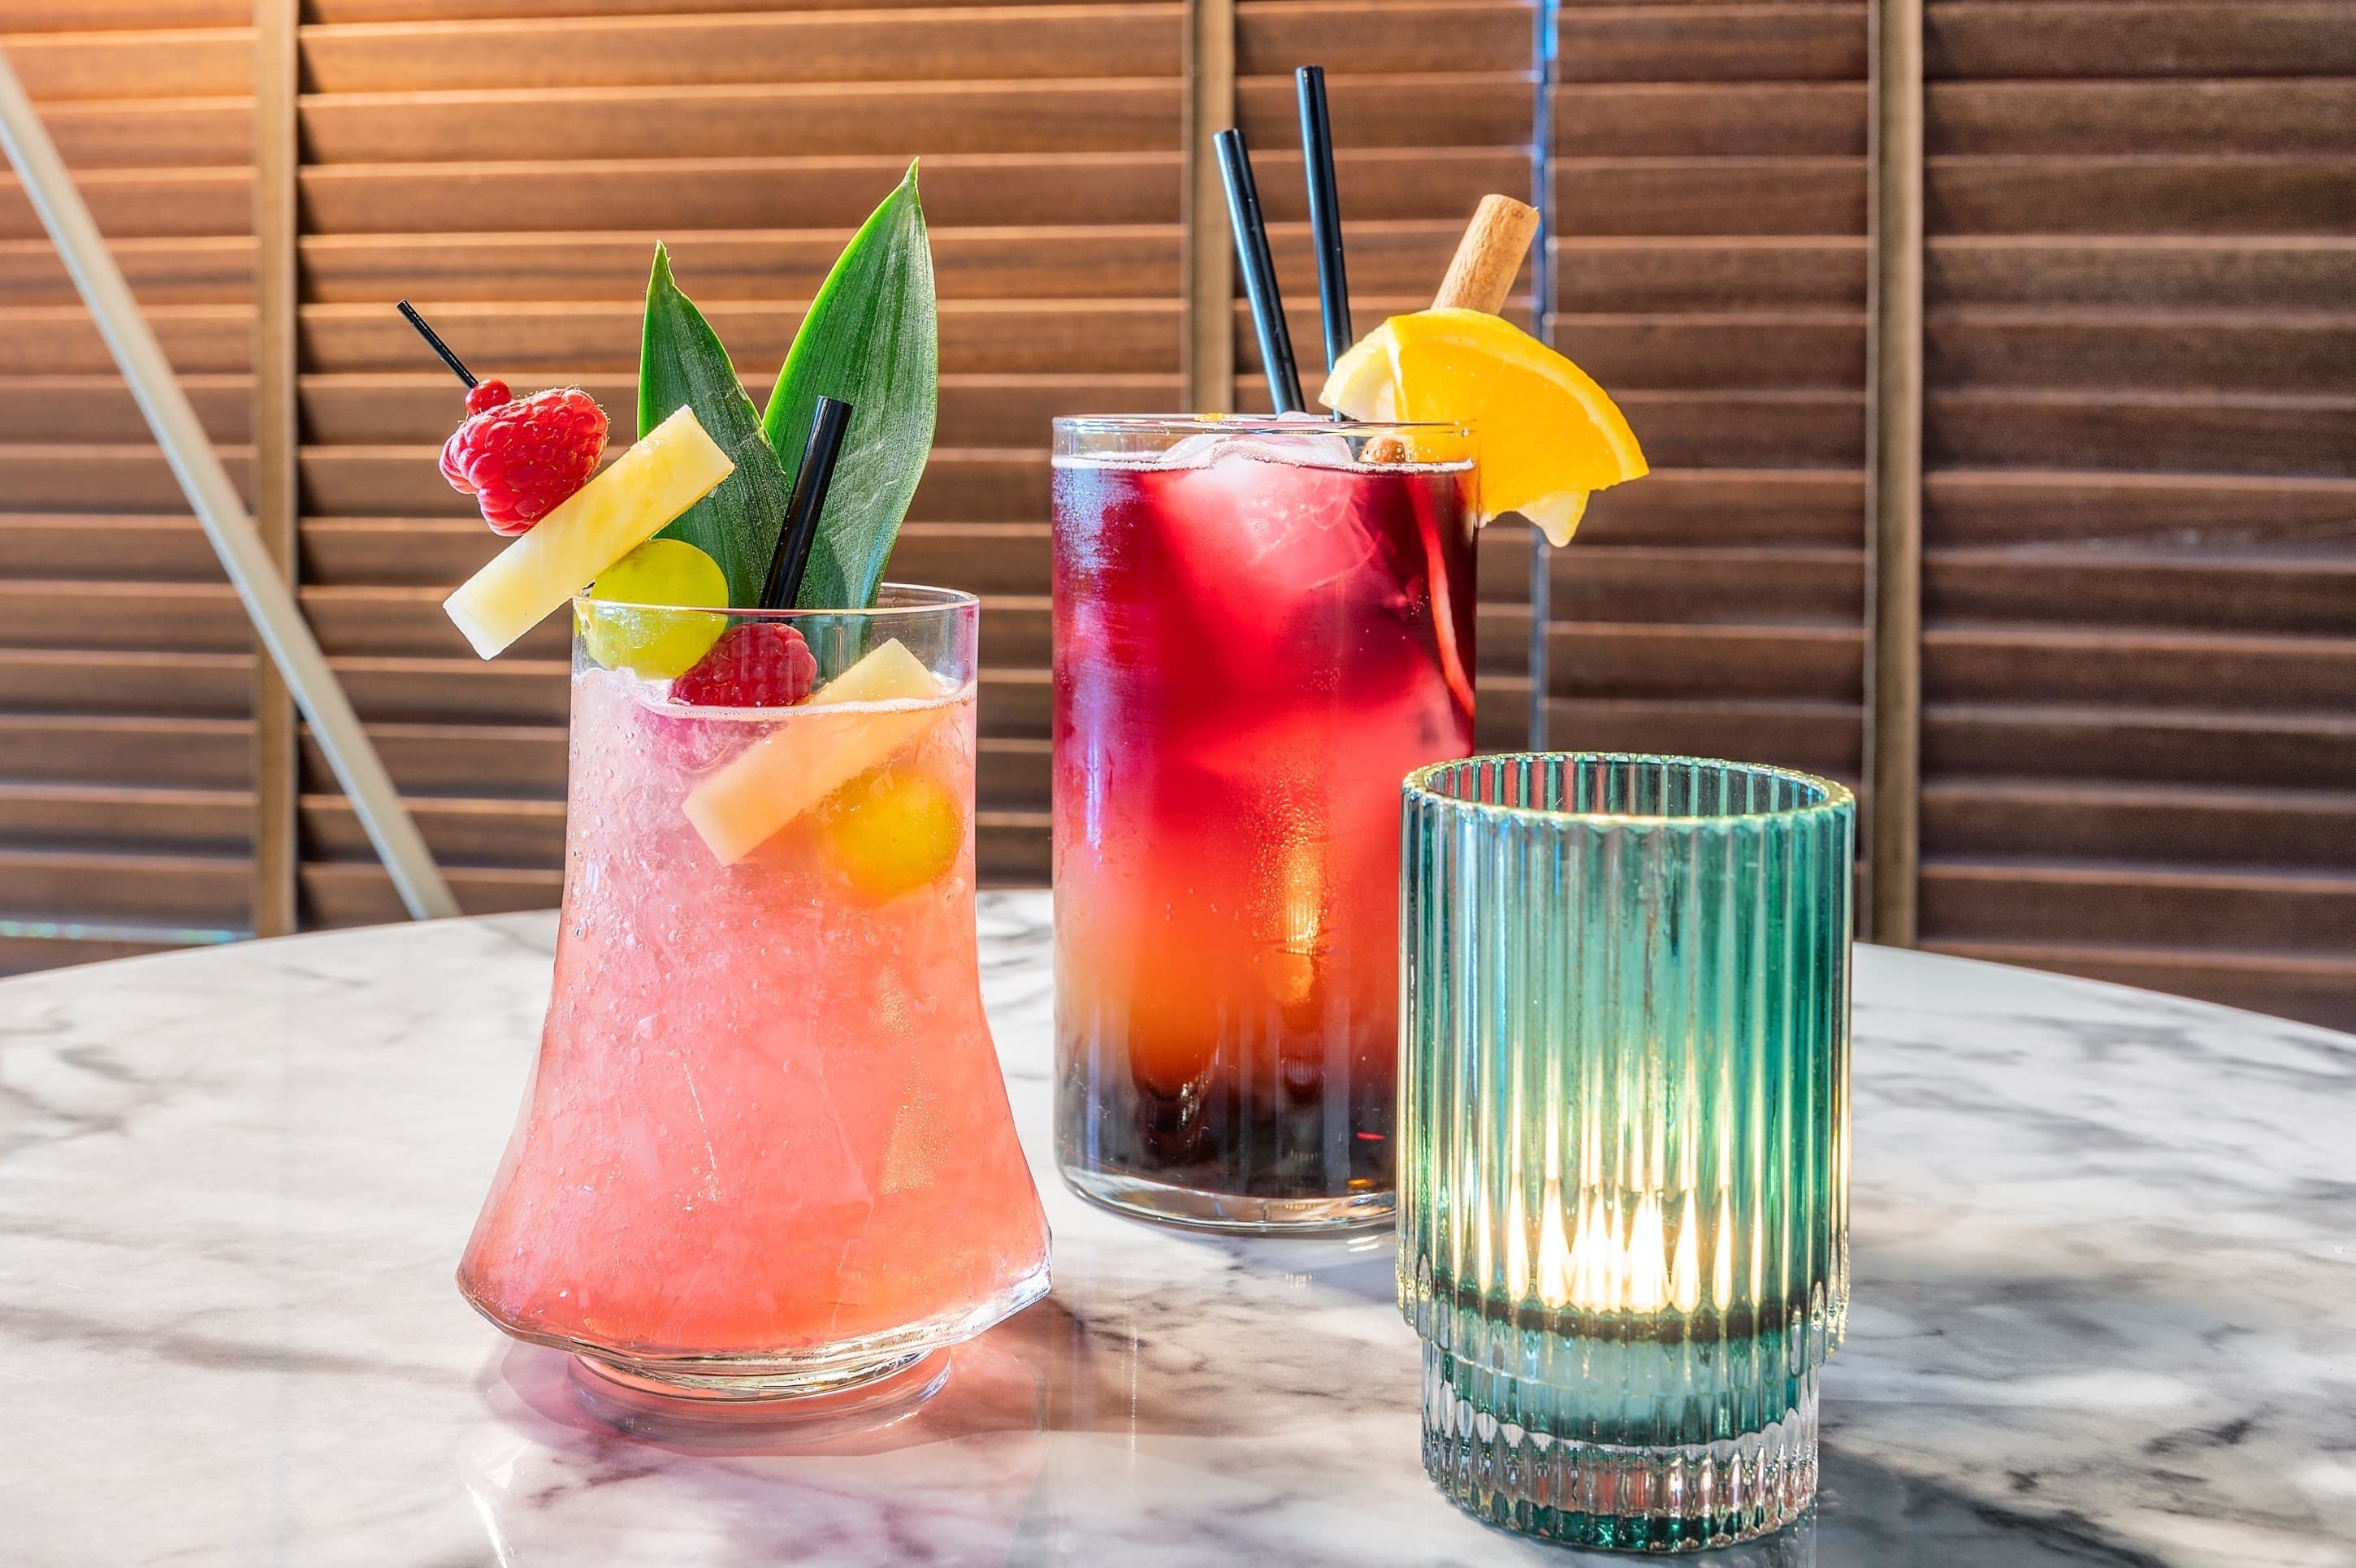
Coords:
681,363
872,337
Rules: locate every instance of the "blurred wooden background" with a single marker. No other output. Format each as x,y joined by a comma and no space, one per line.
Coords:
2137,620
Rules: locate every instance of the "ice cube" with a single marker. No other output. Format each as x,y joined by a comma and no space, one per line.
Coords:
1315,445
1260,518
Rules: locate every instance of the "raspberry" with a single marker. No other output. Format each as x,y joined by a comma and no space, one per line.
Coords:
521,457
755,664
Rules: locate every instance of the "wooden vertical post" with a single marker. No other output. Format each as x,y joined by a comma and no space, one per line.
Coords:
276,446
1207,251
1893,693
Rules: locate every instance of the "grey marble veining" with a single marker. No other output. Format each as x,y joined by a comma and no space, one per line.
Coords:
2105,1259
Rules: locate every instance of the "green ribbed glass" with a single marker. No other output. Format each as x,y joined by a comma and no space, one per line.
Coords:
1623,1137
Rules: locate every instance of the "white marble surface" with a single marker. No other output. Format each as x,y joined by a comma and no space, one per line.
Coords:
2104,1305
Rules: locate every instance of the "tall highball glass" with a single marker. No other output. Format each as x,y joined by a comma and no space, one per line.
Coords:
1260,626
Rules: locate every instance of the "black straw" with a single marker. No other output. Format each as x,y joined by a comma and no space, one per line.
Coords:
828,423
1324,211
433,341
1260,274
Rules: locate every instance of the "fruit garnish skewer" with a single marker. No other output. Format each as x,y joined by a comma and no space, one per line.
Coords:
670,469
530,464
518,458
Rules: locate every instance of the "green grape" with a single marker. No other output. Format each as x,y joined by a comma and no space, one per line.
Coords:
661,644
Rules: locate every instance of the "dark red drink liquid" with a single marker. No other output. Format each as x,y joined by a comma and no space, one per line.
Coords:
1249,656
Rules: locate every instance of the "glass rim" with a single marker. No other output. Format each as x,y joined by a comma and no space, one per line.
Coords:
1248,425
917,599
1837,798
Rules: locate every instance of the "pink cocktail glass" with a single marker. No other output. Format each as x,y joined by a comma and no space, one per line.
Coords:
766,1150
1260,629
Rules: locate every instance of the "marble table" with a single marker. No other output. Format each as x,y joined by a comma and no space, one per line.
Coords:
2104,1305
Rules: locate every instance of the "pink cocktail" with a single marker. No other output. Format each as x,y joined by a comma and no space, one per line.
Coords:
1260,630
767,1149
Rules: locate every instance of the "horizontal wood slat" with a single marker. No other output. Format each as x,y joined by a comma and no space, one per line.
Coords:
1813,196
1363,37
85,15
1709,271
1697,119
1788,42
1815,736
177,271
2272,352
2142,271
178,132
942,47
2184,192
352,11
2036,118
1986,506
2257,434
802,121
185,62
2127,745
2278,912
145,203
718,193
1999,818
2159,670
2001,38
333,12
2305,592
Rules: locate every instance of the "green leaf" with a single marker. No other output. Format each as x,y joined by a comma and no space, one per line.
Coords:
680,360
870,339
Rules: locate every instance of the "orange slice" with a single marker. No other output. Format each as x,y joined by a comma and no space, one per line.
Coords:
1548,436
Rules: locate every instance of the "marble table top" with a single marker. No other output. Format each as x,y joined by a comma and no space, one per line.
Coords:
2104,1256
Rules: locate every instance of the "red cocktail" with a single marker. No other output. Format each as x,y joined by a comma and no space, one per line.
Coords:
1259,629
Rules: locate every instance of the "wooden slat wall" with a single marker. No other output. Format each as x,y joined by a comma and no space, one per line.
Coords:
1432,104
1710,186
2139,655
2139,515
125,702
509,167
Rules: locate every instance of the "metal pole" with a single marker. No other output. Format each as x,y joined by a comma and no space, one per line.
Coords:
276,617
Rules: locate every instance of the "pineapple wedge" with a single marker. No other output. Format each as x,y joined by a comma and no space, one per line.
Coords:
674,466
804,761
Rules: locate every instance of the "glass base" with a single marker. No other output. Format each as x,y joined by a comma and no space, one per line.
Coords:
876,1365
890,1378
1198,1209
1672,1497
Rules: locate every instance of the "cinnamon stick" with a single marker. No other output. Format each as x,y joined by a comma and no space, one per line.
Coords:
1481,277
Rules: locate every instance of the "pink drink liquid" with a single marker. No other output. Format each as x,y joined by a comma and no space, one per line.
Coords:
768,1122
1250,657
